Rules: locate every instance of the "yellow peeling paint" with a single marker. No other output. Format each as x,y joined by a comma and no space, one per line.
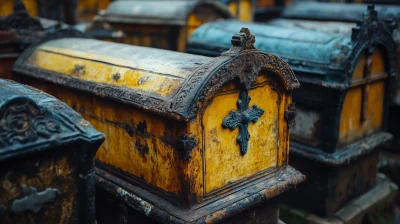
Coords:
149,152
104,58
157,165
53,171
351,127
149,155
223,160
101,72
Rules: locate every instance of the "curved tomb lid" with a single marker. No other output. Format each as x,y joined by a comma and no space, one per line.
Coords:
169,83
293,45
346,12
331,57
319,26
158,11
31,121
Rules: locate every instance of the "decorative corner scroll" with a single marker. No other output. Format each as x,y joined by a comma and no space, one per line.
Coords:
290,115
185,144
20,20
242,119
22,121
244,40
33,200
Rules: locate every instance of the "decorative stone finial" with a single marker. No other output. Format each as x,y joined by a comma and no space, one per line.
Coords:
19,7
244,40
366,26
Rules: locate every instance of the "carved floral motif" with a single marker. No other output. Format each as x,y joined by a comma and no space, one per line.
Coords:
21,120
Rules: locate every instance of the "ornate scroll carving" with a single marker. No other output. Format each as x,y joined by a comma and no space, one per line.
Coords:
22,120
210,78
242,119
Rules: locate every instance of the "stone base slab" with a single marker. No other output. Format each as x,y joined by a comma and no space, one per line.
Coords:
375,206
389,164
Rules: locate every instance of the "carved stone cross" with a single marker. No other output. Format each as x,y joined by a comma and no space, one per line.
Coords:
365,87
242,118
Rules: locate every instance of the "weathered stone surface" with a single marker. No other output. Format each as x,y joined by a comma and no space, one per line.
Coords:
375,206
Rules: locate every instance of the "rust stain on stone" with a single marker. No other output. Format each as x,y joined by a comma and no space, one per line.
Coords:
116,77
79,70
128,128
214,133
142,127
143,148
